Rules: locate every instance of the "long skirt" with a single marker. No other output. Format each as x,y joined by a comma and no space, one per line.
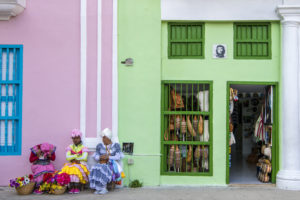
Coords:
100,175
39,171
78,170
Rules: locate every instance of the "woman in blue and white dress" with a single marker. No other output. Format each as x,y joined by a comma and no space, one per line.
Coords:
106,156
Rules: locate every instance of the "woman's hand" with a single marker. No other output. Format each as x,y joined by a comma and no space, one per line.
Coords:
38,153
75,161
104,157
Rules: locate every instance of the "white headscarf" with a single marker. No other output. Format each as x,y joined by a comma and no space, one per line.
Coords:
106,132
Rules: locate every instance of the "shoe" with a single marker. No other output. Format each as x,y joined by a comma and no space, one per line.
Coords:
103,191
96,192
71,191
37,192
76,191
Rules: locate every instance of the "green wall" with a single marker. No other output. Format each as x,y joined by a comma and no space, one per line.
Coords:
219,71
139,30
143,37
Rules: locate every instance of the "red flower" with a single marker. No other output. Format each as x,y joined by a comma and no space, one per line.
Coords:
47,176
22,179
30,176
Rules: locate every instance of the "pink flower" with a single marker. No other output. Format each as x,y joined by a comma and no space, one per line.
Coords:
63,179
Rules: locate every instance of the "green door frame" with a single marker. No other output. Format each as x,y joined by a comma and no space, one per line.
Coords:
275,128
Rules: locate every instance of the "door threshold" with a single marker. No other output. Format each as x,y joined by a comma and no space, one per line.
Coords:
252,185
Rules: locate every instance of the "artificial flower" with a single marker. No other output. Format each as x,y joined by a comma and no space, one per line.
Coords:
30,176
47,176
26,180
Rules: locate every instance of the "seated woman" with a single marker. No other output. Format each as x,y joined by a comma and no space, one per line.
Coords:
106,170
77,156
41,157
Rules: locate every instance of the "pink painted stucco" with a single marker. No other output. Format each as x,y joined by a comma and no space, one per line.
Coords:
91,92
106,64
106,93
50,33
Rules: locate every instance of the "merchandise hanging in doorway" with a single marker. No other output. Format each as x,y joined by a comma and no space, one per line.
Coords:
263,135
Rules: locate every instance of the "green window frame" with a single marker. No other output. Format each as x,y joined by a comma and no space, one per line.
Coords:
186,40
252,40
184,138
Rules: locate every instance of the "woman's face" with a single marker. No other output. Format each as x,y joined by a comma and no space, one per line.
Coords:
76,140
106,140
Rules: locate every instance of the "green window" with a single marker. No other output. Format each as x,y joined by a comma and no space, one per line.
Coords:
186,40
186,129
252,41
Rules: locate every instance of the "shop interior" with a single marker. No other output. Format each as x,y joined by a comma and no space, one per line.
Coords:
251,113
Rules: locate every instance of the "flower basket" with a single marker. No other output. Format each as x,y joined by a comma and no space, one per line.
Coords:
55,183
26,189
60,191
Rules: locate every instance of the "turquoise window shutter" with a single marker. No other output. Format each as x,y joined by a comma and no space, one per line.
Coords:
11,70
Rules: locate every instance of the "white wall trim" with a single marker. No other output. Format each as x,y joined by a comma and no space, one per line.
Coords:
217,10
99,67
83,65
11,8
115,72
90,142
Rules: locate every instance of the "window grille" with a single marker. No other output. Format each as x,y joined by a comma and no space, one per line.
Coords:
11,63
186,40
252,40
186,139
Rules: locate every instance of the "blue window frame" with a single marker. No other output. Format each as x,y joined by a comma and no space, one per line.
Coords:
11,73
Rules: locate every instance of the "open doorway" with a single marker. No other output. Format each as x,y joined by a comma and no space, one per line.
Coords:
251,131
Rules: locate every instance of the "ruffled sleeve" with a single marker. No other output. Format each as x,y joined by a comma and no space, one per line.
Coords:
97,154
117,151
69,155
84,155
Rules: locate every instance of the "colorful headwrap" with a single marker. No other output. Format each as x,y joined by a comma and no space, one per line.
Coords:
75,133
106,132
46,148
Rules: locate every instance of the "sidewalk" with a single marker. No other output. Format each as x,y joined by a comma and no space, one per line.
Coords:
172,193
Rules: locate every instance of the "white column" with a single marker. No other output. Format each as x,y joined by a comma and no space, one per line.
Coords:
115,113
83,49
289,175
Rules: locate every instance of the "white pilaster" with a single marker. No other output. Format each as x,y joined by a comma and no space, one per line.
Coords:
115,73
83,63
289,175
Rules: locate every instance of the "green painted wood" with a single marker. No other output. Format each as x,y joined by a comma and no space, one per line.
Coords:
190,87
227,132
186,40
252,40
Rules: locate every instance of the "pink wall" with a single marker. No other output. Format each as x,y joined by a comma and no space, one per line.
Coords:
50,33
107,24
106,73
91,106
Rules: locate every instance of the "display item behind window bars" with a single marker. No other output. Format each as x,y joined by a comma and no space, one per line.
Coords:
191,158
186,121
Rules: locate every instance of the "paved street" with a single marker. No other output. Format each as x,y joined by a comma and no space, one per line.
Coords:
173,193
